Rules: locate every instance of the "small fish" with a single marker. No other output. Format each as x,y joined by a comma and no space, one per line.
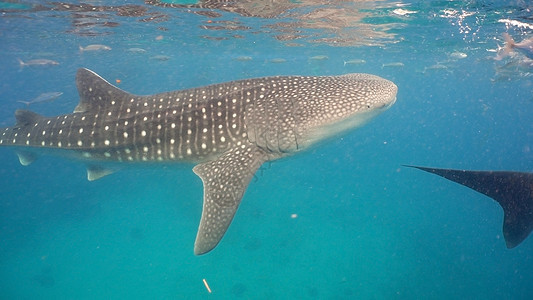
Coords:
243,58
44,97
37,62
95,47
458,55
393,65
518,67
160,57
137,50
319,57
436,67
354,62
278,60
525,46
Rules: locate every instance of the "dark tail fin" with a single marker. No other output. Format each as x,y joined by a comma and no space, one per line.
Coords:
512,190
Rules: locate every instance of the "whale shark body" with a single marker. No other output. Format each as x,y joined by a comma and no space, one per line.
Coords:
228,130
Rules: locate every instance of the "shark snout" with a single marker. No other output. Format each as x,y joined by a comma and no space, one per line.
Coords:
387,105
388,94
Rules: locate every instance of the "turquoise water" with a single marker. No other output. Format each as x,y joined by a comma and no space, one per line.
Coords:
365,227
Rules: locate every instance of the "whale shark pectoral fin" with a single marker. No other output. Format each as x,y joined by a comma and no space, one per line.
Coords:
26,158
512,190
225,181
97,172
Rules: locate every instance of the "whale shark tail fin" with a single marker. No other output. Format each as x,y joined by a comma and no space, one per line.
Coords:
512,190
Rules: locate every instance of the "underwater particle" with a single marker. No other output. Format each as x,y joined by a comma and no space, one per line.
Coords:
207,286
136,233
239,289
159,38
253,244
118,81
312,292
45,277
294,216
45,280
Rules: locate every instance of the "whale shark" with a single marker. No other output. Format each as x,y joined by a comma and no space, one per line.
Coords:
512,190
227,130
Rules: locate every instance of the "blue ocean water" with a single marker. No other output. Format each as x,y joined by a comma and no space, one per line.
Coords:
341,221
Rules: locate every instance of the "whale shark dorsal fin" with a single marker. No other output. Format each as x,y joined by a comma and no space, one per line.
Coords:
225,180
512,190
25,117
96,92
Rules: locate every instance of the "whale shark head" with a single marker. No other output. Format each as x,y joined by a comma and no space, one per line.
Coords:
348,102
294,112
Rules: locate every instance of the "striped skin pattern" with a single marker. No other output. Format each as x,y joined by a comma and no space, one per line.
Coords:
228,130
